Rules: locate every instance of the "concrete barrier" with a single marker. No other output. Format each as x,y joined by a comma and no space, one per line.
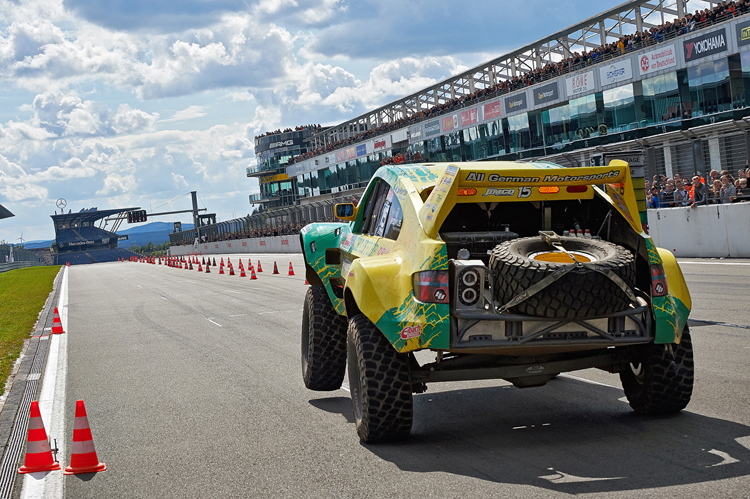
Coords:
275,244
5,267
713,231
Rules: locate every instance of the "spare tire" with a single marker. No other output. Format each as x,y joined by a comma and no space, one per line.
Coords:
583,292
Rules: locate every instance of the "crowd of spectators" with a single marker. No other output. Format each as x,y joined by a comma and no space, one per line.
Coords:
691,22
314,128
719,188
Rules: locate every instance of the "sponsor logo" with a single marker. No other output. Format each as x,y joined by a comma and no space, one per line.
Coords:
229,245
515,103
644,63
614,72
244,243
379,144
535,369
745,34
655,60
281,143
361,150
494,191
492,110
411,332
580,83
284,241
415,134
439,294
710,43
545,95
432,128
262,242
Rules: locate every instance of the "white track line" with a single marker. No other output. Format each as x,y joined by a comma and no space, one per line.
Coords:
683,262
51,405
212,322
588,381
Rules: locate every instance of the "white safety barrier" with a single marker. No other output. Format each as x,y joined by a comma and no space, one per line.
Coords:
712,231
275,244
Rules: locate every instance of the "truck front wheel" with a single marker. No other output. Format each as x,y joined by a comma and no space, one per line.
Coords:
659,381
380,384
323,342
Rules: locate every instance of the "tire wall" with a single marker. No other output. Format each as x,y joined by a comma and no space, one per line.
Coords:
276,244
712,231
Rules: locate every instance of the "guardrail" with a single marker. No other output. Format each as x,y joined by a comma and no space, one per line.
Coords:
274,244
4,267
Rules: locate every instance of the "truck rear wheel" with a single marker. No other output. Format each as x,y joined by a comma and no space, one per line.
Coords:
323,342
380,384
583,292
658,382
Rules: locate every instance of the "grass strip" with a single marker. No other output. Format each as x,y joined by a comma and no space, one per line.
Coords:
22,296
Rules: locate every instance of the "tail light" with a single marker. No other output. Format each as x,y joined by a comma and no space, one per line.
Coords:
431,286
577,188
658,281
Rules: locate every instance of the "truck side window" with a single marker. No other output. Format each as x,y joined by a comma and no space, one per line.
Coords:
395,218
369,207
377,212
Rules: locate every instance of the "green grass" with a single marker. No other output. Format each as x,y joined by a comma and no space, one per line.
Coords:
22,296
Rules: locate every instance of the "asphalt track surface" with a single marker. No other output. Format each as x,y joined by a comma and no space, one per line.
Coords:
193,388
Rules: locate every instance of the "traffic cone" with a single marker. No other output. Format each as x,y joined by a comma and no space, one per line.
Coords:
214,264
231,271
38,452
57,323
291,270
260,269
221,270
83,457
275,268
222,261
252,274
306,283
200,269
203,261
208,269
67,264
249,263
191,266
242,272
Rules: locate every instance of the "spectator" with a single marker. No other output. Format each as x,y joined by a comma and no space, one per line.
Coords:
681,196
698,192
653,200
727,190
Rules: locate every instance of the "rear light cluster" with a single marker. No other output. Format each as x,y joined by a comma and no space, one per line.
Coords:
658,281
431,286
469,286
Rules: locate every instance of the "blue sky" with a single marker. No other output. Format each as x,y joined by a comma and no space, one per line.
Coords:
114,103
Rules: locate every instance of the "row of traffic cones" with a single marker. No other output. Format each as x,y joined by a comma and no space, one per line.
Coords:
83,458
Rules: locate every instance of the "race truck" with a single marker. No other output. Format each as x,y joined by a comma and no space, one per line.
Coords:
499,270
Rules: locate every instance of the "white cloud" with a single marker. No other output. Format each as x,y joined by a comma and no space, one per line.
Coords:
241,96
190,113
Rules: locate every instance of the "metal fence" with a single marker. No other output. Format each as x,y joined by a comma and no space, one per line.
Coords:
276,222
18,254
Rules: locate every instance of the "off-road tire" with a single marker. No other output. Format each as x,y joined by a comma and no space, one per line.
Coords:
582,292
379,382
657,383
323,342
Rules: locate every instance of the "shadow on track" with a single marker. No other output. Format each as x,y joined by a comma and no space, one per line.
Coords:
569,436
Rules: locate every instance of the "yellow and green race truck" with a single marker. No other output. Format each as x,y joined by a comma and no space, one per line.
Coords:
502,270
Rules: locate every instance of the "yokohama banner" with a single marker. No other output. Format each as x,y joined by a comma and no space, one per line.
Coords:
705,45
662,58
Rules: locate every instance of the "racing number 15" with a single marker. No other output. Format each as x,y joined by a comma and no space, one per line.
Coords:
524,192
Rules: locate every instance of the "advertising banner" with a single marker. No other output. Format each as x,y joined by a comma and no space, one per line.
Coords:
399,136
432,128
662,58
706,44
361,150
616,73
579,84
382,143
415,134
450,122
515,103
340,156
743,33
493,110
351,153
469,117
546,93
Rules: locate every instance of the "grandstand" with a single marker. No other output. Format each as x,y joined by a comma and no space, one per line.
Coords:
79,241
668,81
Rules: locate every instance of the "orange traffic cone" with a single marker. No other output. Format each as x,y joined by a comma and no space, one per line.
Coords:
260,269
231,270
200,268
83,457
214,264
306,283
252,274
38,452
67,264
242,272
203,261
222,261
57,323
208,269
291,270
249,263
275,268
221,270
